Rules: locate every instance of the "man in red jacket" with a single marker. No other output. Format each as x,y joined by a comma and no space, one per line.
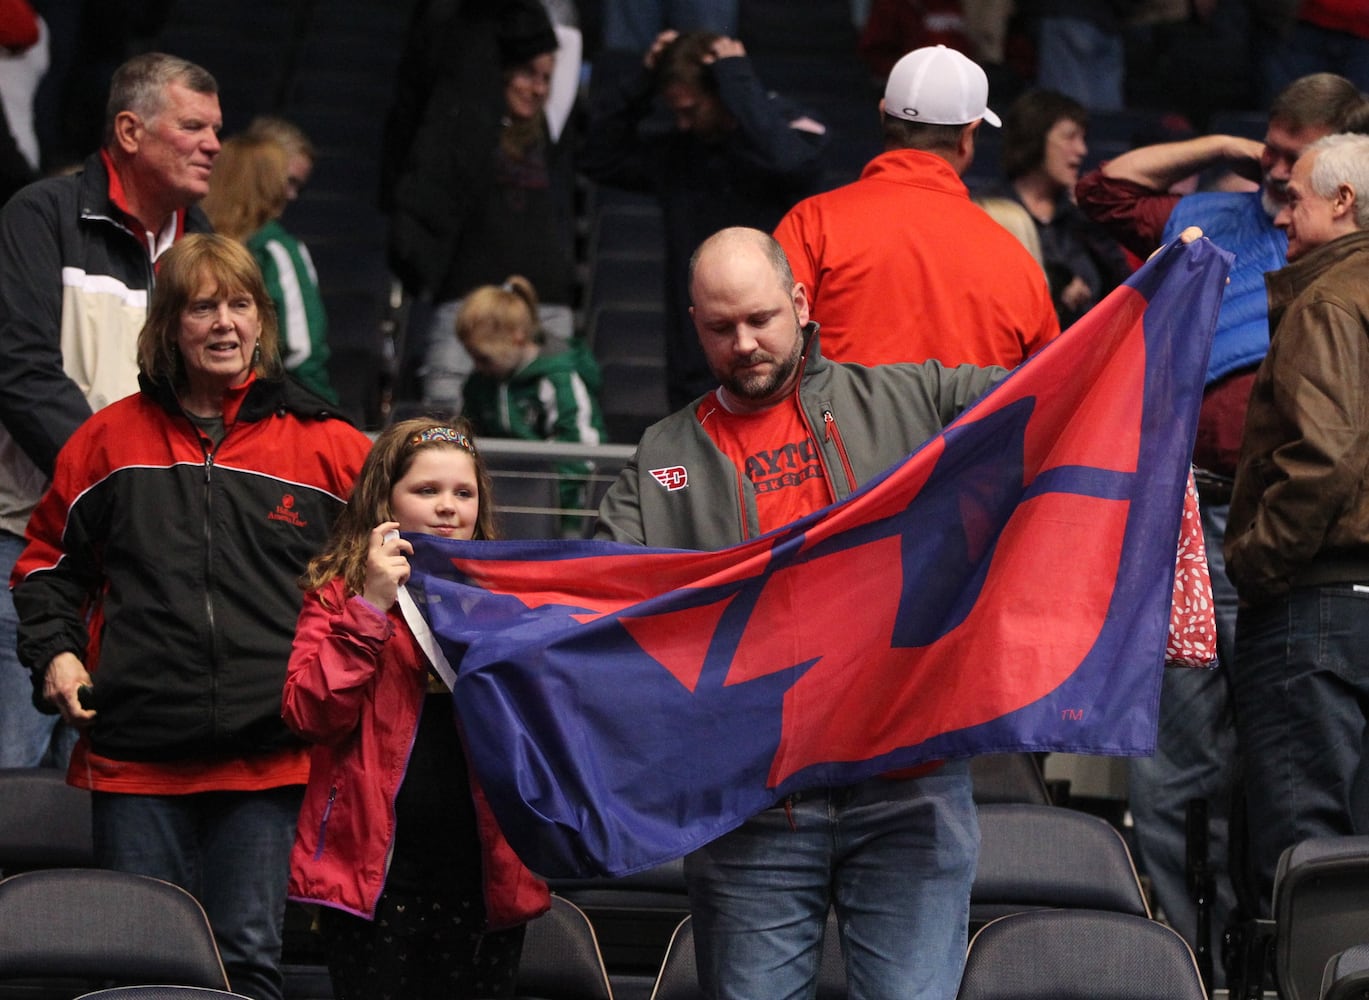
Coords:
900,265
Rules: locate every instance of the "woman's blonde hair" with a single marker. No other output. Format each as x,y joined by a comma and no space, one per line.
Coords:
191,262
389,460
500,311
284,133
249,186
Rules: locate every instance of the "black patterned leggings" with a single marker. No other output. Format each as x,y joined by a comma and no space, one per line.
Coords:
419,948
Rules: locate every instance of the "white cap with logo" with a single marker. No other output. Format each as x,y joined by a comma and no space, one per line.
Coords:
938,86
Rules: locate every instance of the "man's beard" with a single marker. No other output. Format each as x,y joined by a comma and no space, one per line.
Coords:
763,386
1269,201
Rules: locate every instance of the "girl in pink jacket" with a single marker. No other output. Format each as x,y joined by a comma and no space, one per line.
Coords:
421,895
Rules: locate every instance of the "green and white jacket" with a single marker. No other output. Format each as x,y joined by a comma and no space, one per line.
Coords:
292,283
555,397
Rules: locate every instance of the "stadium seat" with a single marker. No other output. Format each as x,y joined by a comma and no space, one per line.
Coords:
1040,856
1072,954
1009,777
634,916
161,993
1321,908
561,959
44,822
1346,976
105,928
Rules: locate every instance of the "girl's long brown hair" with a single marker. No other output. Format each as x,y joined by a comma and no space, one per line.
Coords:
389,459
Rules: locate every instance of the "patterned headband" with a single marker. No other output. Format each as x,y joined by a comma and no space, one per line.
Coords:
435,435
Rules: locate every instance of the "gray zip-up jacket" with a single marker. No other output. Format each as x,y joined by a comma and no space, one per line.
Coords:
680,491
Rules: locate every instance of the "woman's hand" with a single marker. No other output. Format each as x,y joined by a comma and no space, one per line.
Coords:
1076,296
387,569
62,683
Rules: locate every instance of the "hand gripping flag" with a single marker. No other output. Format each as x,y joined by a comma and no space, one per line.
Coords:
1007,587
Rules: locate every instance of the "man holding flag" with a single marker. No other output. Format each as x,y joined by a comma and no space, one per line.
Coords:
896,853
765,681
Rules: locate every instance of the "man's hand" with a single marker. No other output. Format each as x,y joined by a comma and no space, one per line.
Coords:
724,48
1190,234
653,54
65,676
1245,157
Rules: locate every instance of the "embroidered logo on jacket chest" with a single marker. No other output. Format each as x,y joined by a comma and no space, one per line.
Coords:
673,478
285,511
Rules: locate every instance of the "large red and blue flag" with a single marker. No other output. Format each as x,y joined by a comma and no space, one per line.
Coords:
1005,588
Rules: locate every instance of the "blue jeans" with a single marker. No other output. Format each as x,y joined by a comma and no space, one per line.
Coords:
231,850
895,858
1080,59
1195,757
28,738
1301,687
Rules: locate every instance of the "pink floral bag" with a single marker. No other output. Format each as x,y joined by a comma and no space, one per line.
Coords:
1192,621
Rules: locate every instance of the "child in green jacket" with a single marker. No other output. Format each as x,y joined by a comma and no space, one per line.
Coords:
521,390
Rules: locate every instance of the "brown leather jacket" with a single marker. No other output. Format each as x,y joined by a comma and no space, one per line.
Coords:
1300,510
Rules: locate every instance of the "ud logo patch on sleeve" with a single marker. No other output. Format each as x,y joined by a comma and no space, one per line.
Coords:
673,478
